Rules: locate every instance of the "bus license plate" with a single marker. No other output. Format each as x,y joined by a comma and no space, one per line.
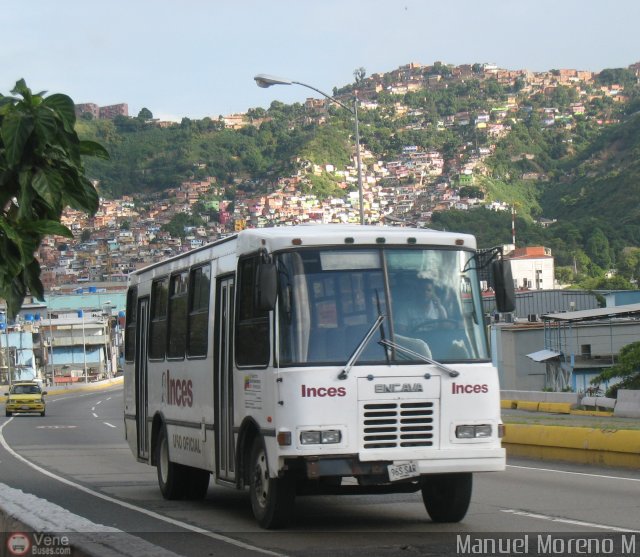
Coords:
403,471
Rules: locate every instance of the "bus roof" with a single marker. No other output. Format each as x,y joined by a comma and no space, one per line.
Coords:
275,239
320,235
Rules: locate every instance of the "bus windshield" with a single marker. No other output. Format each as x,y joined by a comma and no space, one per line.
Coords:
329,298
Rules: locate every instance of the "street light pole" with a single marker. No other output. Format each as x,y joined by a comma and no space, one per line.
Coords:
358,158
264,81
84,349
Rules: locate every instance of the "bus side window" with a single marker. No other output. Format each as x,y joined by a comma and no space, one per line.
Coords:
252,323
178,290
199,288
158,325
130,325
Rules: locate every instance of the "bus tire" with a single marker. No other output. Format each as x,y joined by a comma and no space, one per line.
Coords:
171,476
196,483
272,499
447,496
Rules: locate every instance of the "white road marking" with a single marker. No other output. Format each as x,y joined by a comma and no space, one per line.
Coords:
107,423
99,402
129,506
567,520
56,427
574,473
95,415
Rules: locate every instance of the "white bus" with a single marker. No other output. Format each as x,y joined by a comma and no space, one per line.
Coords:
308,359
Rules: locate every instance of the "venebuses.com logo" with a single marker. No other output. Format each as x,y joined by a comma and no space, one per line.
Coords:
21,543
18,543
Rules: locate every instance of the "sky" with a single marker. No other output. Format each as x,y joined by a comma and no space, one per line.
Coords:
197,58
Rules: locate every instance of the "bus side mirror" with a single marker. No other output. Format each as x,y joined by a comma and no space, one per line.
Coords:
267,287
503,286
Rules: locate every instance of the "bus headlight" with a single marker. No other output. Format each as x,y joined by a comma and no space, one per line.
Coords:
473,431
324,437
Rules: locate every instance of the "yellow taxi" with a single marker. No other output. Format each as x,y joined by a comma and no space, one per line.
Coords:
25,397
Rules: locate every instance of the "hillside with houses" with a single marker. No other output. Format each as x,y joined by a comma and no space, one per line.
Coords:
436,140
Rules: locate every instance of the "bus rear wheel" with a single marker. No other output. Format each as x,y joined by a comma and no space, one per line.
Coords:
171,476
272,499
447,496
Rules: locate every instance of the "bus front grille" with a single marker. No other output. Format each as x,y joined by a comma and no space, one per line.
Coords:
401,424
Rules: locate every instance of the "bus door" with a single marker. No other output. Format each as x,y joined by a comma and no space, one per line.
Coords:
223,380
142,338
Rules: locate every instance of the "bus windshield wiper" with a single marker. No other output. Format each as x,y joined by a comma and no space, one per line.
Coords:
363,344
389,343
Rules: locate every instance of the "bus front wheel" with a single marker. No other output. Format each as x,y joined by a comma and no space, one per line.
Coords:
272,499
447,496
171,477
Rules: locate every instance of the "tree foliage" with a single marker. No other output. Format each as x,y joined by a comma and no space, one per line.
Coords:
41,173
179,224
627,371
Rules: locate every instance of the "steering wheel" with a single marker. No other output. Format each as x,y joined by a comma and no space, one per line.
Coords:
430,324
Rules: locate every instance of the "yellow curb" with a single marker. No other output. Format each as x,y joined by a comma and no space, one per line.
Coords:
577,456
508,404
555,407
585,438
531,405
586,445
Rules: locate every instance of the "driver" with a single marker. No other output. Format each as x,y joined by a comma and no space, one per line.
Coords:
427,308
432,307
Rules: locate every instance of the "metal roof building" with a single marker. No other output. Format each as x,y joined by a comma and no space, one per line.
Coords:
580,344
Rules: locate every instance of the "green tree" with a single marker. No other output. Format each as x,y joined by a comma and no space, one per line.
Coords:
627,370
41,173
629,263
598,249
620,76
145,114
564,275
178,224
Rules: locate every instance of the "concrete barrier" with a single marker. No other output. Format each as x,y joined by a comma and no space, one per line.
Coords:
540,396
575,444
598,402
628,404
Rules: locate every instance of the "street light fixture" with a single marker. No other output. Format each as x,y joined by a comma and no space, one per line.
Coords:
264,81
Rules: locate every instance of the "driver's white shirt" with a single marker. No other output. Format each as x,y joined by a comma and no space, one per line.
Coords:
416,315
435,310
